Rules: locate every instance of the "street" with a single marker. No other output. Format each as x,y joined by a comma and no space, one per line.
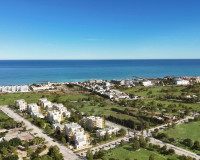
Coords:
67,153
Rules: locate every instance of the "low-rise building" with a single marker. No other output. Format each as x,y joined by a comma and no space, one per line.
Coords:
181,82
110,130
21,104
147,83
22,88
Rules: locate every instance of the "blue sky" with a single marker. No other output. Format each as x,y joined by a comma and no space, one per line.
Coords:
99,29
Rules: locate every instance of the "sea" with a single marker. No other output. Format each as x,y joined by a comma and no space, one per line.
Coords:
20,72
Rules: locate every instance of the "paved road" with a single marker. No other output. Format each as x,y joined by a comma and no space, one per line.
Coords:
67,153
178,150
108,145
112,144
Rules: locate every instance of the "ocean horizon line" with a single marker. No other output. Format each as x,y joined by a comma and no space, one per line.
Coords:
94,59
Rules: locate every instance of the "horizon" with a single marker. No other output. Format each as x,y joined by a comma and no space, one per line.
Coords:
89,59
113,29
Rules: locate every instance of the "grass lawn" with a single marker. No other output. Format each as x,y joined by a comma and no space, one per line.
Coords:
142,91
187,130
32,97
126,151
3,115
3,119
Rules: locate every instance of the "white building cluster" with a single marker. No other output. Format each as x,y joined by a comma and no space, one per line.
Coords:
110,130
104,89
76,133
43,86
181,82
23,88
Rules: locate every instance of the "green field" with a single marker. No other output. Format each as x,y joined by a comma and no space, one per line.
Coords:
156,91
72,99
143,91
32,97
187,130
126,151
3,115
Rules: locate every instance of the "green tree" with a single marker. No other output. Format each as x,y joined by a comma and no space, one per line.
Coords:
122,132
54,152
63,140
151,157
136,145
89,155
107,136
196,145
122,142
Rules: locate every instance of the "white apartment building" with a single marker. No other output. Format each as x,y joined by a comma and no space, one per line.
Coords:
33,107
63,110
34,110
36,114
58,126
21,104
182,82
45,103
76,133
54,116
58,106
92,122
23,88
110,130
147,83
80,139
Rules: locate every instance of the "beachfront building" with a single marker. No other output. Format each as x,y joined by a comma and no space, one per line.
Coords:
76,133
54,116
92,122
23,88
147,83
181,82
21,104
126,82
110,130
